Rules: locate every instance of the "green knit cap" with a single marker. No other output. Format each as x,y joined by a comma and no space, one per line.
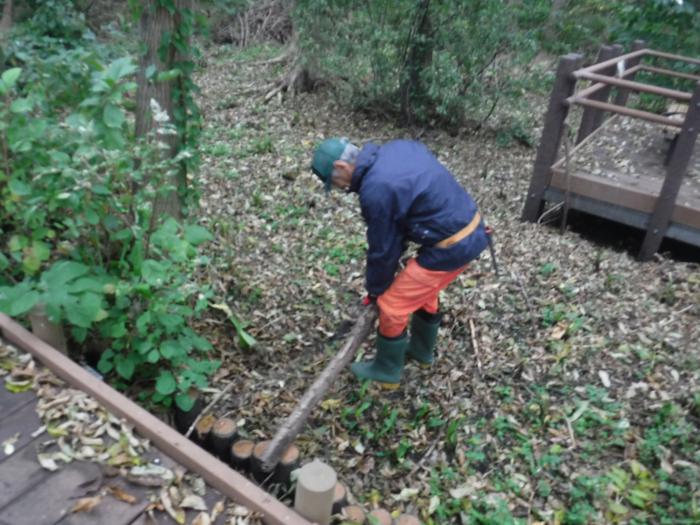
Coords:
325,155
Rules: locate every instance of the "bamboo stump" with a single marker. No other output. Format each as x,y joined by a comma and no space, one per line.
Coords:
222,435
49,332
379,517
340,498
314,493
407,519
184,420
353,515
241,452
202,431
256,466
288,462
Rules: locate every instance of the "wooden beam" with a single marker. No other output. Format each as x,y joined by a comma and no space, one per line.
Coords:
293,424
670,73
564,86
638,53
671,56
676,170
165,438
592,117
593,88
629,112
636,86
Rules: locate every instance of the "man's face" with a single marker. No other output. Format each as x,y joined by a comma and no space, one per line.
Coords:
342,175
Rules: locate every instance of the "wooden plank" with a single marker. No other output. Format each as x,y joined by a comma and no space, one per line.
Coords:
592,117
677,169
20,472
21,423
564,85
637,53
630,112
167,439
670,73
10,402
638,194
670,56
50,500
622,93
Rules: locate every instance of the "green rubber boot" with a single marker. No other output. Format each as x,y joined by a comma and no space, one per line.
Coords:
424,329
387,365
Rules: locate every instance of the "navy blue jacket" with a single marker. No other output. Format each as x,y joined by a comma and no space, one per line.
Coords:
407,195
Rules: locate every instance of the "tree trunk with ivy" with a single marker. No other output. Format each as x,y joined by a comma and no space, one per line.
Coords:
419,55
160,78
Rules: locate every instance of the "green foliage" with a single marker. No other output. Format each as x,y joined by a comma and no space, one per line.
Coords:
78,235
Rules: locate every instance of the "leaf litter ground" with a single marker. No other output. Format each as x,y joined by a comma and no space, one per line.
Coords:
565,391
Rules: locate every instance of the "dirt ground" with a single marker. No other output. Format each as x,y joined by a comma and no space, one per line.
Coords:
566,390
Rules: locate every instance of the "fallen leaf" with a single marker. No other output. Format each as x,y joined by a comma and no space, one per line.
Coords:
86,504
121,494
192,501
202,519
47,462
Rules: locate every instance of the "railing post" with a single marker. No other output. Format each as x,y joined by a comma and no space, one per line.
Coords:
592,118
622,93
676,170
564,85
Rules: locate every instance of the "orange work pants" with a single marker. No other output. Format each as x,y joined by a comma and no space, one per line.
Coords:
413,289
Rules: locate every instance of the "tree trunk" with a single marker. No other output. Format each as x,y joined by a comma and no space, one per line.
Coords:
156,23
420,57
6,21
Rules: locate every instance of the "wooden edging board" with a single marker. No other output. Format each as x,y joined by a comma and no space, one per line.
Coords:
167,439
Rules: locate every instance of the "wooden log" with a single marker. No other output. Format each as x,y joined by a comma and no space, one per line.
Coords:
293,424
241,452
256,467
49,332
340,498
313,498
379,517
203,430
288,463
353,515
407,519
557,111
183,420
222,436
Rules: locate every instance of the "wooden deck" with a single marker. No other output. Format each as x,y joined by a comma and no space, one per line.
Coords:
32,495
617,173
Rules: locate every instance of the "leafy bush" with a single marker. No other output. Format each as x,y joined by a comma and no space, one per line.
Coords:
78,233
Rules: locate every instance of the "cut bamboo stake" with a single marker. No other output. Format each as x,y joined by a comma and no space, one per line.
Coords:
51,333
379,517
288,462
222,435
340,498
241,452
293,424
314,493
184,420
407,519
256,469
353,515
202,431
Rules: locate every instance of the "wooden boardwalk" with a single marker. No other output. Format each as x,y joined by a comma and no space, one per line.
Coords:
32,495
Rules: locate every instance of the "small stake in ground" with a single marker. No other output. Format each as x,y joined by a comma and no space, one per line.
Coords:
353,514
241,452
288,462
340,498
203,430
222,435
256,469
184,420
314,493
379,517
407,519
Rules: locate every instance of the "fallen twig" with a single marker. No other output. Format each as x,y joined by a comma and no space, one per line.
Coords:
208,408
472,329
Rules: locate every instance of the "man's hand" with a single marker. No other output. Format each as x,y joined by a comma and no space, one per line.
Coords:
369,299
